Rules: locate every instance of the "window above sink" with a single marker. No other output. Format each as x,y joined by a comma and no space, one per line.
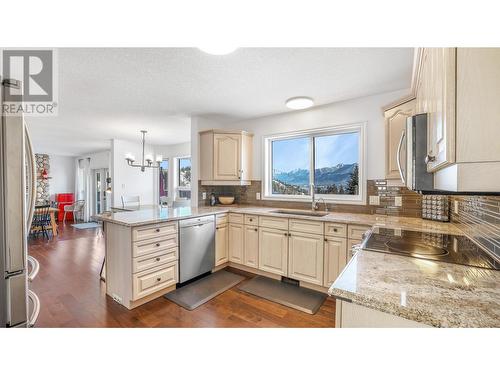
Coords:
331,159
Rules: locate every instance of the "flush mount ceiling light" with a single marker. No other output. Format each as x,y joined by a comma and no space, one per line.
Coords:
218,50
299,102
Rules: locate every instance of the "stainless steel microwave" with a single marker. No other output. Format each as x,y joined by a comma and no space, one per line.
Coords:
414,171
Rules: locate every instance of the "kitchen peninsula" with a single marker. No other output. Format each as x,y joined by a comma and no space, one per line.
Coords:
142,249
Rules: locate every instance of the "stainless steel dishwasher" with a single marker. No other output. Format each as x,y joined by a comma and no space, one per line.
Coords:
196,247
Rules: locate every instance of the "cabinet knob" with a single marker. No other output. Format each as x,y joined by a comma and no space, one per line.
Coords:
250,219
255,229
157,245
158,279
157,230
326,240
429,159
286,234
157,259
335,230
216,228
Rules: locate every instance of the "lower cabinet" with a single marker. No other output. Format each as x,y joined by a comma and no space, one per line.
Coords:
335,259
251,246
236,245
273,250
305,257
221,244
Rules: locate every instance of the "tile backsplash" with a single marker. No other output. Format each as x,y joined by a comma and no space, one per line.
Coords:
479,218
411,201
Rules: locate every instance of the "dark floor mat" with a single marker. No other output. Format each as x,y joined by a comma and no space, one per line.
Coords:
303,299
197,293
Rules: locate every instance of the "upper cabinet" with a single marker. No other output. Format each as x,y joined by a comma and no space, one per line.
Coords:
435,95
459,89
395,124
225,157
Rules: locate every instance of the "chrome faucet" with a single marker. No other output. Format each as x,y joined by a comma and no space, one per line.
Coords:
314,204
324,203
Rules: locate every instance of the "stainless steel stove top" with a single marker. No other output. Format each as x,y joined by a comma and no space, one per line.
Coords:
432,246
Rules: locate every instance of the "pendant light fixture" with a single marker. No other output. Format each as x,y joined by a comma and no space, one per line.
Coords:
147,160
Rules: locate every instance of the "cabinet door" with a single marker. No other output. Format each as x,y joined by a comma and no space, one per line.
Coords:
221,244
436,97
251,246
305,258
227,152
478,93
236,243
335,258
395,125
273,250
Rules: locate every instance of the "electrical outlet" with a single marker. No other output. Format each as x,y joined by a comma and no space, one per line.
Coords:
257,196
398,201
204,195
374,200
455,207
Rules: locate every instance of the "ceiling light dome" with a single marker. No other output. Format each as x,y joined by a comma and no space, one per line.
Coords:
299,102
218,50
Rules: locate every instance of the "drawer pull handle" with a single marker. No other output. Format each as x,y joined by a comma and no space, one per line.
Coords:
158,279
335,230
157,230
250,219
158,245
158,259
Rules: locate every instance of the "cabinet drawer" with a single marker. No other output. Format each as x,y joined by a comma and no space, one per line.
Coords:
154,260
236,218
152,231
154,245
273,222
306,226
153,280
251,220
356,231
335,230
221,219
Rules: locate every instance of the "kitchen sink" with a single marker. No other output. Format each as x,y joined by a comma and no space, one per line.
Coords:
300,212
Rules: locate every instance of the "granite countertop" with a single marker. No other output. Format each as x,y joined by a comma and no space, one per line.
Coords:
434,293
155,214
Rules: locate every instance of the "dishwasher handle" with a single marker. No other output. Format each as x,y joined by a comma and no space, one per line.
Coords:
197,221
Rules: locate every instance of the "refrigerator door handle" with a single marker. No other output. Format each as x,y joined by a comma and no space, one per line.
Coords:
35,267
399,157
32,179
36,308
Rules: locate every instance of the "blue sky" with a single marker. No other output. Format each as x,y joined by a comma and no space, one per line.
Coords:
331,150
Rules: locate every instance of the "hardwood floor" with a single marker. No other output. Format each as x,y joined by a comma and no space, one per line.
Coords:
72,295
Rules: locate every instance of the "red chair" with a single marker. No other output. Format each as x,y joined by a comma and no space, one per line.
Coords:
62,200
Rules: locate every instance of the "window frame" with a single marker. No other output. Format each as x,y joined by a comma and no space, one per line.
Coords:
177,176
267,140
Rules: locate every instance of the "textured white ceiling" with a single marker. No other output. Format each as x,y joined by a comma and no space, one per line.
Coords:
113,93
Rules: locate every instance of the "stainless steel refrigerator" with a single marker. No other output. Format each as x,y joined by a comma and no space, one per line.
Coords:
19,307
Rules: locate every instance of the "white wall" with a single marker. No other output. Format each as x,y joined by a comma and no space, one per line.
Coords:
62,173
126,180
170,152
367,109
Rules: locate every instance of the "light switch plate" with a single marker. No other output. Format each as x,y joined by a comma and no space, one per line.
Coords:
257,196
374,200
398,201
204,195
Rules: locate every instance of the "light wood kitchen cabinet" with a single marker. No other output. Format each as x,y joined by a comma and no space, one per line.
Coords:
225,157
459,89
335,259
395,125
236,243
305,257
221,244
251,246
435,95
273,250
